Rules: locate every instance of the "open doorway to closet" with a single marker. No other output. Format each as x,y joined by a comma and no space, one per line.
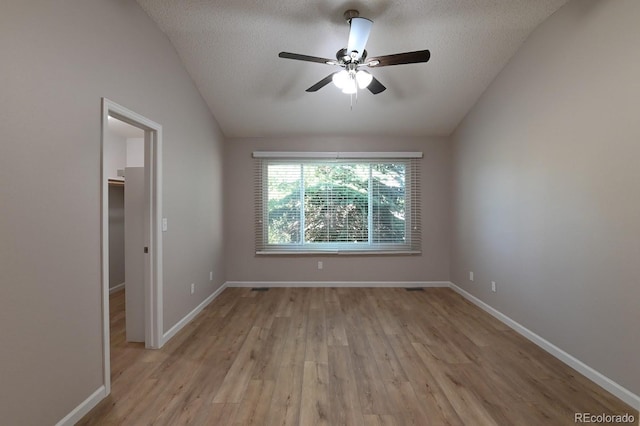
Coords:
124,156
131,232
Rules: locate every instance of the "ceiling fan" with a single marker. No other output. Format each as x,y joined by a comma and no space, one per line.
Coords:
354,56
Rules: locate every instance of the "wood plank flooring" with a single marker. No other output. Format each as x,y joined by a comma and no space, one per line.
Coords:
342,356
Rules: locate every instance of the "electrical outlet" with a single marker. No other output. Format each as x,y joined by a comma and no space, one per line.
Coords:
193,288
210,275
493,286
320,264
470,275
164,224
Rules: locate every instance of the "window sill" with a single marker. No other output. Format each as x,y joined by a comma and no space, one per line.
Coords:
338,252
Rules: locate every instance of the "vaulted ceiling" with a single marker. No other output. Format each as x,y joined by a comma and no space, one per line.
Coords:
230,48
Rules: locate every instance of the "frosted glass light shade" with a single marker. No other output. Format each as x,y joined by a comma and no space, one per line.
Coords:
350,81
364,79
341,79
350,87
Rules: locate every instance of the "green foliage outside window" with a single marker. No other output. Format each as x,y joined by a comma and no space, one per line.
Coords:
336,203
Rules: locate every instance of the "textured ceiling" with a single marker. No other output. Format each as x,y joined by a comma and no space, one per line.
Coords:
230,48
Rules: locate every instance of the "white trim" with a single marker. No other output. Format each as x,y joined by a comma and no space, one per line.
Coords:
337,252
85,406
191,315
153,283
587,371
104,255
116,288
390,284
598,378
153,232
335,155
81,410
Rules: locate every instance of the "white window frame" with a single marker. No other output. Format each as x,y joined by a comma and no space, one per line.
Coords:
412,244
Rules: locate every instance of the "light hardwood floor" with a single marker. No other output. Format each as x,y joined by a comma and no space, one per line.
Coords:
342,356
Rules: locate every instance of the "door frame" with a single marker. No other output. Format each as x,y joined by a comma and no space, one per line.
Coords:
152,231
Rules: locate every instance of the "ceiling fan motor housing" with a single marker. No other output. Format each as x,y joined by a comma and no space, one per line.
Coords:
344,57
351,13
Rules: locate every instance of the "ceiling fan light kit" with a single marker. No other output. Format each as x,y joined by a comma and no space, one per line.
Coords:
350,78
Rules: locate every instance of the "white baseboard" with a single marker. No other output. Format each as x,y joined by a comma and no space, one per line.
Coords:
85,406
399,284
593,375
191,315
116,288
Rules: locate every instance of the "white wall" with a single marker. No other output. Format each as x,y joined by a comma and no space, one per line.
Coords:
546,195
135,152
58,60
115,153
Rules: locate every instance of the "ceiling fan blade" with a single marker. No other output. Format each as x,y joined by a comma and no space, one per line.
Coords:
306,58
376,87
358,35
400,58
319,85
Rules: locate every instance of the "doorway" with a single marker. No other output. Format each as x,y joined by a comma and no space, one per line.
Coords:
144,250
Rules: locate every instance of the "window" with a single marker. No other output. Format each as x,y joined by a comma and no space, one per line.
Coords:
337,202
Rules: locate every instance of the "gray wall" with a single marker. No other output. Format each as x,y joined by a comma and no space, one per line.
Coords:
244,265
58,60
546,187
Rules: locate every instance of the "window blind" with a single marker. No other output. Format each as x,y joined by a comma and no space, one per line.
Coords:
369,202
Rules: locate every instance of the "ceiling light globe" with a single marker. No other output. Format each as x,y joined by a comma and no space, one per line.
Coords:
350,88
341,79
364,79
